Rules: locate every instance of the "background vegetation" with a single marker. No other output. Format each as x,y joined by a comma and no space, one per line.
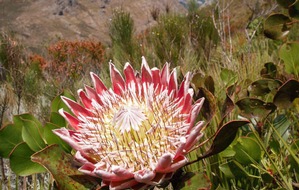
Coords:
244,72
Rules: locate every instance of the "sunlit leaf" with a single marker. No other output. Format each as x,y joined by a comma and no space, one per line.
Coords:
20,161
63,168
288,52
286,94
228,152
282,125
18,119
32,134
228,77
247,150
276,26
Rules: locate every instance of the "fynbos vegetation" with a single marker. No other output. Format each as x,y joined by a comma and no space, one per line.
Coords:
215,106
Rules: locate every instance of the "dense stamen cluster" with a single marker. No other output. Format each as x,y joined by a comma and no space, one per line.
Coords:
129,133
137,133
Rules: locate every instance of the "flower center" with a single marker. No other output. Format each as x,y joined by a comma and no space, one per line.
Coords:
128,117
134,131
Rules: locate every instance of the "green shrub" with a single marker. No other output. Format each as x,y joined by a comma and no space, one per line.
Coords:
203,34
121,31
168,38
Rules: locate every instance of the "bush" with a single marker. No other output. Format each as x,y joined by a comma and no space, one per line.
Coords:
69,61
121,31
168,38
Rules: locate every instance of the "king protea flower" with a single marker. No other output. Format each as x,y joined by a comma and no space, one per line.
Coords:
137,133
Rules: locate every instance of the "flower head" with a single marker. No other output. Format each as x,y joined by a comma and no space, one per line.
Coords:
137,133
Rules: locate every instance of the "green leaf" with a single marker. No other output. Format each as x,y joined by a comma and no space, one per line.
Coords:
10,136
263,86
269,70
57,103
288,52
228,77
209,106
255,108
232,170
57,119
228,152
247,151
20,161
286,94
276,26
197,81
228,104
285,3
32,133
293,163
282,124
275,146
19,119
63,168
267,178
294,10
209,84
51,138
224,137
193,180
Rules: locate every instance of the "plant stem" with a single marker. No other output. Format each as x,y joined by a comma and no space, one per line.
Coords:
17,182
34,180
289,186
2,170
25,182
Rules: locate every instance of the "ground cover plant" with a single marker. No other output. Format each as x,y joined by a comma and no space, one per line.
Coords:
225,106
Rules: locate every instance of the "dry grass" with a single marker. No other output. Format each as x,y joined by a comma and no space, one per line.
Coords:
37,23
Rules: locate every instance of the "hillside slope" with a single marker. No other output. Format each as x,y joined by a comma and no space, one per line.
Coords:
38,22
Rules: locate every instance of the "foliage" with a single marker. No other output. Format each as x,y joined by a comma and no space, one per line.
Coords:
12,65
256,158
166,41
26,136
203,34
10,57
254,78
28,139
121,31
22,74
70,60
168,44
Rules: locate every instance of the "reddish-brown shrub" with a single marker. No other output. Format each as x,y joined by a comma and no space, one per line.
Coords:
72,59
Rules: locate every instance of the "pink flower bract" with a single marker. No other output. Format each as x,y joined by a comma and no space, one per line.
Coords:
137,133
